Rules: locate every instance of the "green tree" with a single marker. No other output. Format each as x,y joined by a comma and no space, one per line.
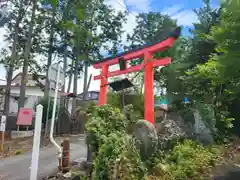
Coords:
151,27
226,36
11,55
28,47
189,53
95,25
50,43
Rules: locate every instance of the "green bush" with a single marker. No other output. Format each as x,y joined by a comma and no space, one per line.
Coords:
116,156
187,160
136,100
118,159
19,152
101,122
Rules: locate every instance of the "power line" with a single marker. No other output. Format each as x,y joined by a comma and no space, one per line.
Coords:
125,8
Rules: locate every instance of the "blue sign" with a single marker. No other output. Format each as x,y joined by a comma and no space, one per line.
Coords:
159,102
185,100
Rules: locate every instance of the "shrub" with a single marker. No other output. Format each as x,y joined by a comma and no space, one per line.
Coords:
136,100
118,159
116,156
187,160
102,121
19,152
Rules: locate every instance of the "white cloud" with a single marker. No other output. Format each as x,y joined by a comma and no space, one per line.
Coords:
139,5
119,5
135,5
128,27
184,17
172,10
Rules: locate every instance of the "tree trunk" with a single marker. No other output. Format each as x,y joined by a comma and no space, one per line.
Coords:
69,82
70,77
11,64
8,87
64,67
50,48
74,103
28,47
85,82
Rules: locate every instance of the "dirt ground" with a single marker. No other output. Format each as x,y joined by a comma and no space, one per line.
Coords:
229,168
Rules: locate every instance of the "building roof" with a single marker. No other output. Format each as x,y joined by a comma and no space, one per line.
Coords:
16,81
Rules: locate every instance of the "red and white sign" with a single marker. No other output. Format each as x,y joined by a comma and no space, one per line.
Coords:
25,116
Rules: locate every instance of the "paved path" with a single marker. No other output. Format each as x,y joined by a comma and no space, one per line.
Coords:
17,167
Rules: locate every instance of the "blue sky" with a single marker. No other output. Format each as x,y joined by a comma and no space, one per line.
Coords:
158,5
180,10
177,9
161,5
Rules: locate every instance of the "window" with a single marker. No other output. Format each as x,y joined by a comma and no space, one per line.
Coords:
94,96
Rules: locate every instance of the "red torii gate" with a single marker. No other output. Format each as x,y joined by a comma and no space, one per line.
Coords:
148,65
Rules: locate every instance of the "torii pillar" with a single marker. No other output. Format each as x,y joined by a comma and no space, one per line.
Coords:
148,88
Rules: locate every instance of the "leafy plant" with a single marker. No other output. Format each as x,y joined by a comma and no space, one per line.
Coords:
102,121
118,159
187,160
19,152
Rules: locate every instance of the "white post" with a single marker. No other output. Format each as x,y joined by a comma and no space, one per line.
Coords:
36,143
53,118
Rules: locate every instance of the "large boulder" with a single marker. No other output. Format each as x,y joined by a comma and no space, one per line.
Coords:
146,138
175,128
169,131
202,133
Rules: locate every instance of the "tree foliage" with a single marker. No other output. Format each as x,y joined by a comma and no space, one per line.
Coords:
59,31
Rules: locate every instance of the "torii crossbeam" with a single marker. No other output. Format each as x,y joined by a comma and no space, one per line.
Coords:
149,63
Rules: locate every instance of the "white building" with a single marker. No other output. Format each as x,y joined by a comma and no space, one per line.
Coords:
34,92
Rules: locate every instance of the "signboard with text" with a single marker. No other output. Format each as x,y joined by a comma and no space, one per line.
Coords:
25,116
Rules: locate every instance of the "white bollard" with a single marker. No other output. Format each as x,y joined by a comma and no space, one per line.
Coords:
36,143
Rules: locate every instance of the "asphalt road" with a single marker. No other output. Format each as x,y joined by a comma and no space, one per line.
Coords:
17,167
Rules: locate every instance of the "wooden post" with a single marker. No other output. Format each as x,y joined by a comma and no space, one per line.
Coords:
66,155
2,141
